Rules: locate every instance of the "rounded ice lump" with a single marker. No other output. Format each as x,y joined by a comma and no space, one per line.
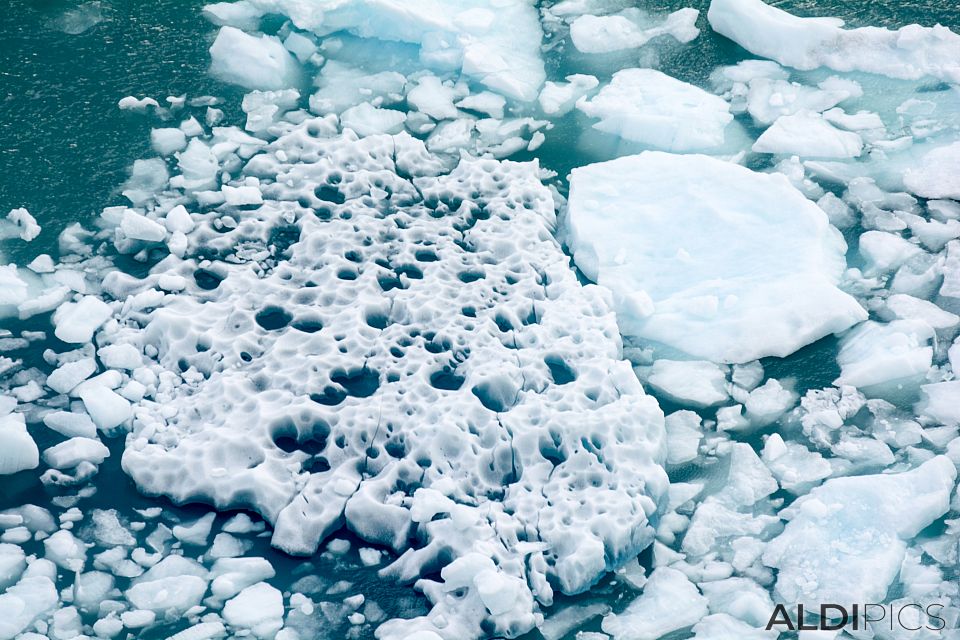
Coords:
708,257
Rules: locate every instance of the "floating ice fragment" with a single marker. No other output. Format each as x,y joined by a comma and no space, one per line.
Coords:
18,451
22,225
807,43
557,98
76,322
252,62
845,540
498,44
936,176
808,135
669,602
258,608
885,358
72,452
652,108
629,29
690,382
709,257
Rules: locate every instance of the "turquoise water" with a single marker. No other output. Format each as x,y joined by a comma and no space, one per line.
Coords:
65,148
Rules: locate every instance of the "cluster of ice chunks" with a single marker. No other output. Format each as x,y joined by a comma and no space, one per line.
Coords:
246,217
373,341
67,572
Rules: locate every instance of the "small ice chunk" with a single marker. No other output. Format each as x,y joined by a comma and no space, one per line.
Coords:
18,451
629,29
167,141
197,532
130,103
433,98
558,98
232,575
70,374
885,252
367,120
683,436
12,564
258,608
25,224
907,307
242,196
486,102
65,550
137,226
652,108
808,135
300,46
120,356
252,62
70,453
137,618
876,355
941,402
107,409
76,322
767,403
669,602
241,15
935,176
695,383
794,466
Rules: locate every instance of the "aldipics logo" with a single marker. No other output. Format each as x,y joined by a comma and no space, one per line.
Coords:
856,617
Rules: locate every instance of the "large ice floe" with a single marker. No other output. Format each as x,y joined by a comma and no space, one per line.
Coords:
808,43
708,257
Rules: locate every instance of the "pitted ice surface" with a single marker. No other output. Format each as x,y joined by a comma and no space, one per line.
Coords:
406,352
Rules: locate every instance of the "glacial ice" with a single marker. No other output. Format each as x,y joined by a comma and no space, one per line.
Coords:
845,540
669,602
630,28
884,358
18,451
650,107
708,257
809,136
692,382
345,328
251,61
807,43
497,44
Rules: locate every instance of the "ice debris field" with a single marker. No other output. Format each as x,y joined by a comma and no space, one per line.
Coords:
381,363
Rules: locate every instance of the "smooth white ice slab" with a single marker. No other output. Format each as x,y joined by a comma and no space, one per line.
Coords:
18,451
495,43
629,29
652,108
254,62
936,175
807,43
874,355
691,382
810,136
845,540
709,257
